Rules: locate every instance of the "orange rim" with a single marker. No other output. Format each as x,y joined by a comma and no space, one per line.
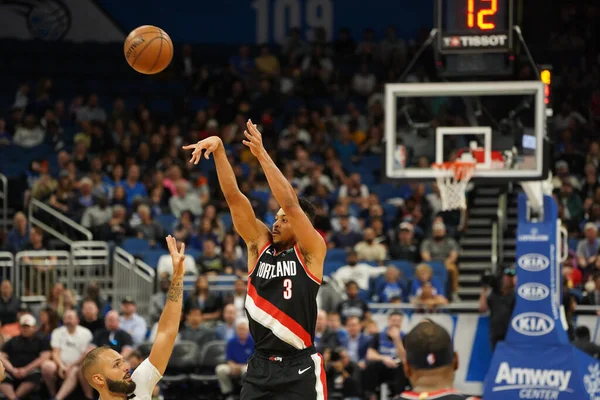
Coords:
462,169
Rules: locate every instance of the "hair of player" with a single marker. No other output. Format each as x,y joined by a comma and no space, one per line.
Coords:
308,208
91,359
427,337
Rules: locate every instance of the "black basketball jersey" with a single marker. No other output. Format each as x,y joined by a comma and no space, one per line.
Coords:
446,394
282,301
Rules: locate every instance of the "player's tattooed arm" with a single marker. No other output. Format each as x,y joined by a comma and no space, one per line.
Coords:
175,292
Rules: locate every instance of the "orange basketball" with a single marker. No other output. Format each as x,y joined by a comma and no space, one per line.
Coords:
148,49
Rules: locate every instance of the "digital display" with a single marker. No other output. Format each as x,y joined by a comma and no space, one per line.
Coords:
475,25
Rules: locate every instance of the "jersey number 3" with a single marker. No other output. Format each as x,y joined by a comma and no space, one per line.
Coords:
287,289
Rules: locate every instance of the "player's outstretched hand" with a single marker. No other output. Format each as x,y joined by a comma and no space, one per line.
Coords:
177,256
254,142
209,145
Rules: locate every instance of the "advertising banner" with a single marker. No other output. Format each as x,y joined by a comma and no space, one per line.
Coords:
536,361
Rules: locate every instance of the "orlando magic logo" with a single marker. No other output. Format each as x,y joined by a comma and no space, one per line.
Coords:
46,19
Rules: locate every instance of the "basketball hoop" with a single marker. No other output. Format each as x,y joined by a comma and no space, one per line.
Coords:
452,179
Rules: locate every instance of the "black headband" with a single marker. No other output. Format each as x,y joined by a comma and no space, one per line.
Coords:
430,360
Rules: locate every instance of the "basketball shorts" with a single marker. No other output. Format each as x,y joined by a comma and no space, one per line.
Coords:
300,376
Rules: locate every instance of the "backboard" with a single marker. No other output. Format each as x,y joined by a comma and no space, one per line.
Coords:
501,125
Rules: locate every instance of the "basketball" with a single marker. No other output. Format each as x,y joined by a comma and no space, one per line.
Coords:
148,49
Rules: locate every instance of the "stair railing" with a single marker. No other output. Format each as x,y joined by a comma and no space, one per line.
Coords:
4,198
500,227
44,216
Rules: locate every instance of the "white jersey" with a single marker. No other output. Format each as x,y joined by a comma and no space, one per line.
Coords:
145,376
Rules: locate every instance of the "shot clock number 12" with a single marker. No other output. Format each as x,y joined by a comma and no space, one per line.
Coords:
479,19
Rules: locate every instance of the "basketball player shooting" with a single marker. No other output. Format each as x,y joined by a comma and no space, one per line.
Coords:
285,268
106,370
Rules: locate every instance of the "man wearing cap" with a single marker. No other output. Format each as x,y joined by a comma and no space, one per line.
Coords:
131,322
22,357
430,363
405,248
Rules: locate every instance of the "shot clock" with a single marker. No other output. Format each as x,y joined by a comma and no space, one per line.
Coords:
475,26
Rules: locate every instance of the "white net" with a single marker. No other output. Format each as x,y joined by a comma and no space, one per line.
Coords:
452,179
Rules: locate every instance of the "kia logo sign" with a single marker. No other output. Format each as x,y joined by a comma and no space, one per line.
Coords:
533,262
533,324
533,291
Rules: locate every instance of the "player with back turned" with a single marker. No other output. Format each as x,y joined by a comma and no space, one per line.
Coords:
430,363
110,374
285,268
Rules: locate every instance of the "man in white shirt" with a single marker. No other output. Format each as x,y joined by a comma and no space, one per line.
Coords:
110,374
69,347
360,273
131,322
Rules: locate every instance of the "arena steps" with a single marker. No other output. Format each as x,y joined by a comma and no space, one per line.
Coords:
476,243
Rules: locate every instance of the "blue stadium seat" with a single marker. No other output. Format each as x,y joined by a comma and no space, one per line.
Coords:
573,243
336,255
151,257
226,220
407,268
329,267
193,253
136,246
439,270
167,221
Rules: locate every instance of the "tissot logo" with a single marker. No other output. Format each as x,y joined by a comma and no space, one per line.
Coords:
533,262
533,324
485,41
533,291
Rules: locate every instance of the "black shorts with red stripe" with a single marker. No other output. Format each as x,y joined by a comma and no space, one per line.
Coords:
300,376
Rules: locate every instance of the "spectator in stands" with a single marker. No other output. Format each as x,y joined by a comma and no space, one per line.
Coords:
583,342
423,275
165,266
209,262
368,249
194,330
22,357
9,303
340,212
159,299
353,190
383,358
569,198
320,327
202,298
90,318
390,287
358,342
343,376
131,322
444,249
148,228
29,134
238,297
353,306
18,237
592,297
587,248
345,237
134,360
237,352
405,248
69,346
91,111
500,302
428,299
49,321
184,201
328,297
133,187
360,273
116,228
93,292
98,214
114,337
226,330
336,335
11,330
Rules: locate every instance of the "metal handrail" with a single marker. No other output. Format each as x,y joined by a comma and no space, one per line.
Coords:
494,256
35,203
4,198
501,228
